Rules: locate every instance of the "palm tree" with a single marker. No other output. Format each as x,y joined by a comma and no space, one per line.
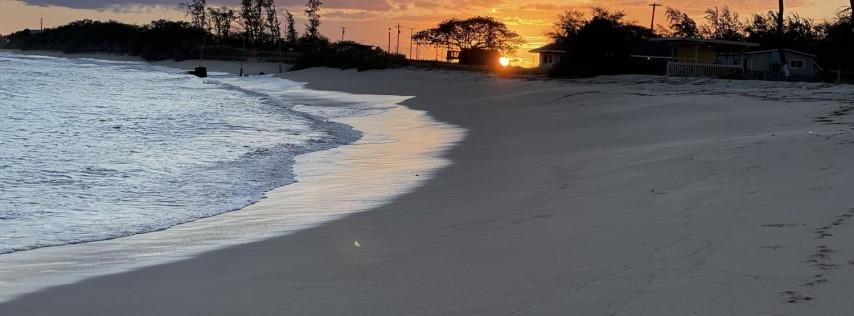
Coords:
784,65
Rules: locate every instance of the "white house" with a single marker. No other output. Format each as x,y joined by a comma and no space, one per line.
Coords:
765,64
550,55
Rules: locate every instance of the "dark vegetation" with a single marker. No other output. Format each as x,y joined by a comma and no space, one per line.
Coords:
251,31
484,33
599,44
349,55
478,40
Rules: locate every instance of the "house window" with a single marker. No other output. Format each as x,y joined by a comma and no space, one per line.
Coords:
797,64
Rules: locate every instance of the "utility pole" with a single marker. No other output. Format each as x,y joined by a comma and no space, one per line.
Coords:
343,31
411,39
397,50
389,41
653,5
41,23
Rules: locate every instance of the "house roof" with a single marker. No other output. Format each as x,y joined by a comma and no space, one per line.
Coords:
551,48
764,51
703,41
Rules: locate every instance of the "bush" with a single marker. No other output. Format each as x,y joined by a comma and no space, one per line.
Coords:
349,55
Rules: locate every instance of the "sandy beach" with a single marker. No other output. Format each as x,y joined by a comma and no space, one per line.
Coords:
621,195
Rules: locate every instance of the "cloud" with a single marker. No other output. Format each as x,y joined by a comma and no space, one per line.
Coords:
364,5
373,5
100,4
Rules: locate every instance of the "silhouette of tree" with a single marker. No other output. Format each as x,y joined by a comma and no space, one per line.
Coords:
291,34
272,21
723,24
473,33
221,20
312,12
798,32
567,26
600,45
851,11
836,43
252,20
196,10
681,25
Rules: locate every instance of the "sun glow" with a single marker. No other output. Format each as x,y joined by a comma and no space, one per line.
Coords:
504,61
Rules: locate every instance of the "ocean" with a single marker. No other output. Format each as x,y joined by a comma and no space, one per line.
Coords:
93,150
111,166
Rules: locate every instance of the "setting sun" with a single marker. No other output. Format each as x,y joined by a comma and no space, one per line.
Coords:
504,61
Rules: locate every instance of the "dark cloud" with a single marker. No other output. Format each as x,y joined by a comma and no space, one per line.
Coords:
364,5
100,4
373,5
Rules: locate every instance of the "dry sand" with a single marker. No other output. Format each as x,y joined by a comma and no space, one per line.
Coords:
611,196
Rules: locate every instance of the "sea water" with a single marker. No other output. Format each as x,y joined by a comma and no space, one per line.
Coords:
93,150
108,167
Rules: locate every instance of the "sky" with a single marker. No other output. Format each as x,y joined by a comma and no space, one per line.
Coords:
367,21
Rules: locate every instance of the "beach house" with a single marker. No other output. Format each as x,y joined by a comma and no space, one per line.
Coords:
766,64
550,55
696,57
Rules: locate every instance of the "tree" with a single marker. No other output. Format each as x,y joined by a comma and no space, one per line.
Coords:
272,21
851,9
567,26
251,19
196,10
221,21
473,33
600,45
798,32
723,24
681,25
291,35
836,42
312,11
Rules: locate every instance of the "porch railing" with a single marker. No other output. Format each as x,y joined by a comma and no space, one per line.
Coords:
677,69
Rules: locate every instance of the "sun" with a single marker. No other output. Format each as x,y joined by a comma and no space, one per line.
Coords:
504,61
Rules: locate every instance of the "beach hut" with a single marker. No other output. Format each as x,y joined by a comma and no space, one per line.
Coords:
550,55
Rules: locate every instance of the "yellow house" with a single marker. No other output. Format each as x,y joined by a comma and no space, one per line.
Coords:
702,51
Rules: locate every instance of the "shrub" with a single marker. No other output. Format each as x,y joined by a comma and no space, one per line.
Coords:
349,55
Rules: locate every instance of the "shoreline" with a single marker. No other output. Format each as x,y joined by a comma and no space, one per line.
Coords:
614,195
386,127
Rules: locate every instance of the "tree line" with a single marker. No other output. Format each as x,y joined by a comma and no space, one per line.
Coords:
251,30
255,23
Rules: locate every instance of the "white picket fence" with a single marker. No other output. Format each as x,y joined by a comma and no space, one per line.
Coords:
676,69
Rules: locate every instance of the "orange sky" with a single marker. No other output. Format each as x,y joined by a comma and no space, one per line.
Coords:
368,20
